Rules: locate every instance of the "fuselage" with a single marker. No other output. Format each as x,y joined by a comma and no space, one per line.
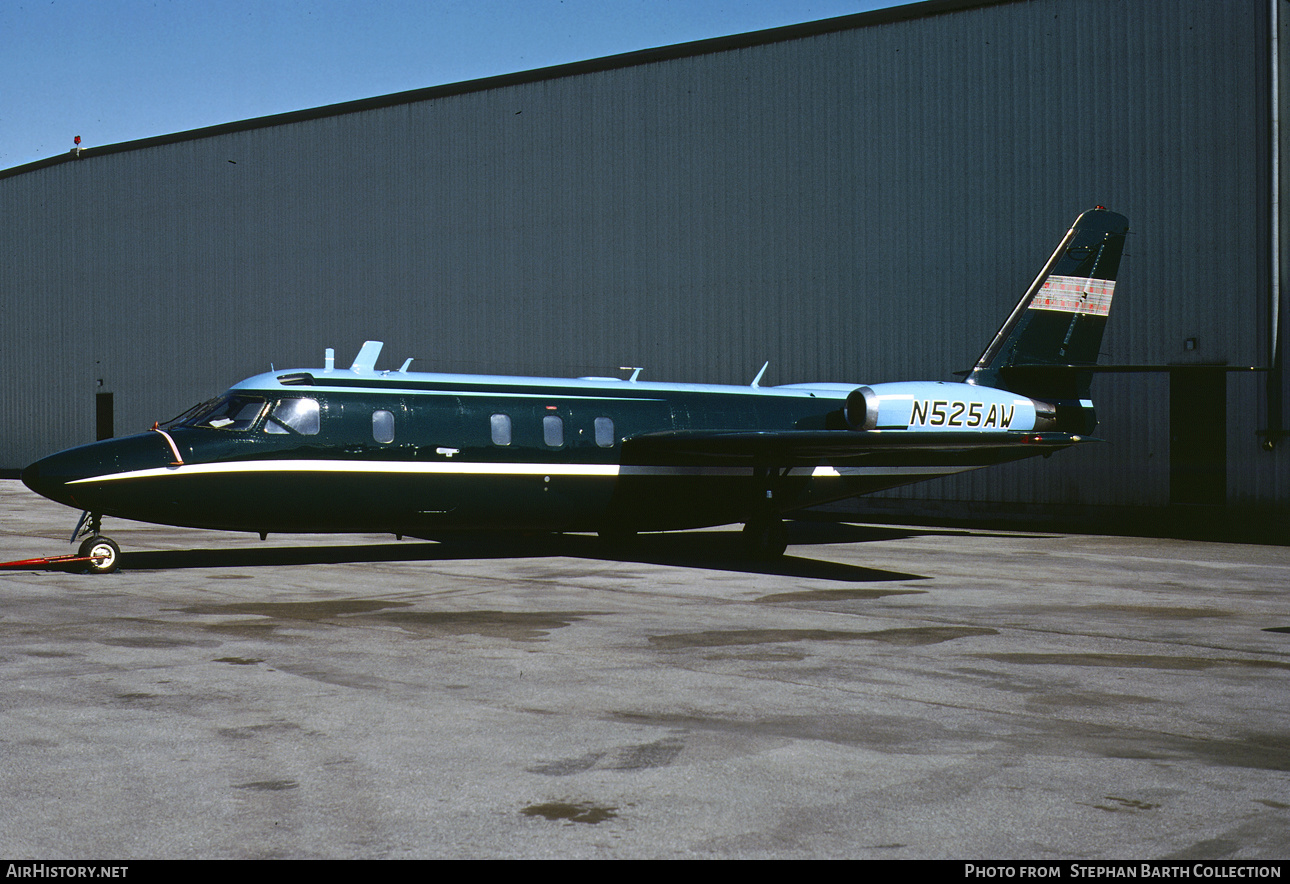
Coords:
356,450
361,450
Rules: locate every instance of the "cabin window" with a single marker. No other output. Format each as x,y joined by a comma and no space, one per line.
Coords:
553,430
501,427
383,426
605,432
294,416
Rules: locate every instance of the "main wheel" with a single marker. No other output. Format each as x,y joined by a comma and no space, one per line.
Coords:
103,553
766,540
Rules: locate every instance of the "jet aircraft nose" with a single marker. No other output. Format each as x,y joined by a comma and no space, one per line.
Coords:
59,476
32,478
51,476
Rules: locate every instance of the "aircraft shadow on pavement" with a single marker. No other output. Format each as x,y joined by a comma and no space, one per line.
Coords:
709,550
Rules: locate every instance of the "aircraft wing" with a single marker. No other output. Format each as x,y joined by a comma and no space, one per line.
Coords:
788,448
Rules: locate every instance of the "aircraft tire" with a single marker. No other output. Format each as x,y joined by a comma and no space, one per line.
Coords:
105,555
766,540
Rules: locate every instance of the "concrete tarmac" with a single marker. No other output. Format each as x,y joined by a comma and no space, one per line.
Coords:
883,692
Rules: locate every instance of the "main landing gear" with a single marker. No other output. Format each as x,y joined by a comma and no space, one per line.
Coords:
764,535
102,553
765,539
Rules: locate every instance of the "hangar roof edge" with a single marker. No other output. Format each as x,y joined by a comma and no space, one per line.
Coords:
924,9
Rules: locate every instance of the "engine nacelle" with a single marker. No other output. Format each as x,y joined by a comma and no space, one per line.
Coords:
945,407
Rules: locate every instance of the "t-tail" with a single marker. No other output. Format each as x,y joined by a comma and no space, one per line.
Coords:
1049,344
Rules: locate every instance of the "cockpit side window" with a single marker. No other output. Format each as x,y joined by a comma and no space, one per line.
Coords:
227,413
294,415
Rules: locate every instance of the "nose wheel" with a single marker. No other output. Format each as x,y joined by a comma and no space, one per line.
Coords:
103,554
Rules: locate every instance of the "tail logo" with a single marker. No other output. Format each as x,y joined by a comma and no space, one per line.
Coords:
1075,294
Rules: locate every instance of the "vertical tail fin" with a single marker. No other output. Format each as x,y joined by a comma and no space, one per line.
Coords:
1056,328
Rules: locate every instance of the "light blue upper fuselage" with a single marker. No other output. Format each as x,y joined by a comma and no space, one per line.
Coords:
909,405
438,383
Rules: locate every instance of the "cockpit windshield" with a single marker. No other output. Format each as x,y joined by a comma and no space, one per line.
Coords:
233,412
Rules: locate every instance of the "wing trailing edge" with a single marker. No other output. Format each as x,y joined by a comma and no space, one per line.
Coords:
790,448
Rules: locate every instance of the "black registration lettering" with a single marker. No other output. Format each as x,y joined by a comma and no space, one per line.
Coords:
943,413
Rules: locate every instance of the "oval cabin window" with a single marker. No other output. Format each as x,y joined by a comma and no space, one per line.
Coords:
383,426
604,432
501,429
553,431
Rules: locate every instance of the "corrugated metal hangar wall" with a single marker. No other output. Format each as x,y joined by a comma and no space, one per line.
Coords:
861,199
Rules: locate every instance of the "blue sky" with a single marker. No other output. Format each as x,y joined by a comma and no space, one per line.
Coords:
118,70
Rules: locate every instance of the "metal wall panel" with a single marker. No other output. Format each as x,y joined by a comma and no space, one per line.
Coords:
860,203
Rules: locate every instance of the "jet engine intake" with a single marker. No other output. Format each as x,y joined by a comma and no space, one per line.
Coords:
861,410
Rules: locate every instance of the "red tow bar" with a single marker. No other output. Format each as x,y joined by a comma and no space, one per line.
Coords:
32,564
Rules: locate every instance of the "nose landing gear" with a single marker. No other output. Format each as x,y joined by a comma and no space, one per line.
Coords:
97,554
102,553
